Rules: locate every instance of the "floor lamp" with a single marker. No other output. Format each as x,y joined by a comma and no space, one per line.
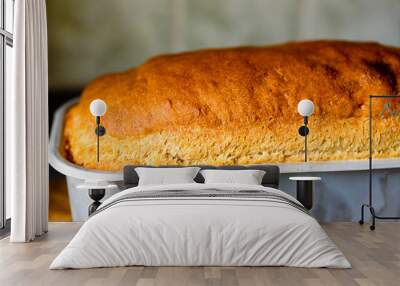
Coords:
98,108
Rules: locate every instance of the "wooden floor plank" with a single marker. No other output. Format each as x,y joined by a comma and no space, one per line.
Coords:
375,257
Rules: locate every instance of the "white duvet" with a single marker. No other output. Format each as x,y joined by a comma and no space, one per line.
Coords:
200,231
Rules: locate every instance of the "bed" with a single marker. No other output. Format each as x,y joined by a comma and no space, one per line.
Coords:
201,224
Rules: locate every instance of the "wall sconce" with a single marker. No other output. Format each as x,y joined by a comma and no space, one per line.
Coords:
98,108
305,109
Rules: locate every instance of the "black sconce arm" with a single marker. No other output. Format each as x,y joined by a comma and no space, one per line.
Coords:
100,131
303,131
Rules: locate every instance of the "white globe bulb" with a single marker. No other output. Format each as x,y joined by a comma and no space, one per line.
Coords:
305,107
98,107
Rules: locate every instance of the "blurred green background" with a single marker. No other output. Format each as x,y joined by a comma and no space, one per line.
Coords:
88,38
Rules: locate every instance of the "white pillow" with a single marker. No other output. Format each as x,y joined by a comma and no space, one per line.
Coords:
248,177
165,176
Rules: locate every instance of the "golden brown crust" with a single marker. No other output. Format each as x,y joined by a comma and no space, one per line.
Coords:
238,106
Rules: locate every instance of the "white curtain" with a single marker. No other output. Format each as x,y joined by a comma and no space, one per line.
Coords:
27,124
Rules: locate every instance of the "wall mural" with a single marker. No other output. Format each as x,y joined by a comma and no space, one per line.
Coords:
230,107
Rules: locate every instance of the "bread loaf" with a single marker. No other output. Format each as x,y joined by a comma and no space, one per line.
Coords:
239,106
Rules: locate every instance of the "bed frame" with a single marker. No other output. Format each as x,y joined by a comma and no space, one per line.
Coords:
271,177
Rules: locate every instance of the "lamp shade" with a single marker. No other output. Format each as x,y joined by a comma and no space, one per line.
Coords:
98,107
305,107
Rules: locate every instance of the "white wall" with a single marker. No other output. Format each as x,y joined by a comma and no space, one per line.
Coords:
91,37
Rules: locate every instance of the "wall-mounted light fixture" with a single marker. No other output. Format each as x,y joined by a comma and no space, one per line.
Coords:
98,108
305,109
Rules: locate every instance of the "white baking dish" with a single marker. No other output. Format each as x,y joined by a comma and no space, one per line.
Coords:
339,177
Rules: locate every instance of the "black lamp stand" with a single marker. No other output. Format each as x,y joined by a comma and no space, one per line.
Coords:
369,205
97,194
303,131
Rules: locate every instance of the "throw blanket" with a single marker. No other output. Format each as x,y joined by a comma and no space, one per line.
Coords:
204,194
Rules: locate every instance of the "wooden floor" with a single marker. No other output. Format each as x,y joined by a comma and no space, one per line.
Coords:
375,257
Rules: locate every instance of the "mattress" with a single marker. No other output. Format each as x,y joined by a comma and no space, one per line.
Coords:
201,225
